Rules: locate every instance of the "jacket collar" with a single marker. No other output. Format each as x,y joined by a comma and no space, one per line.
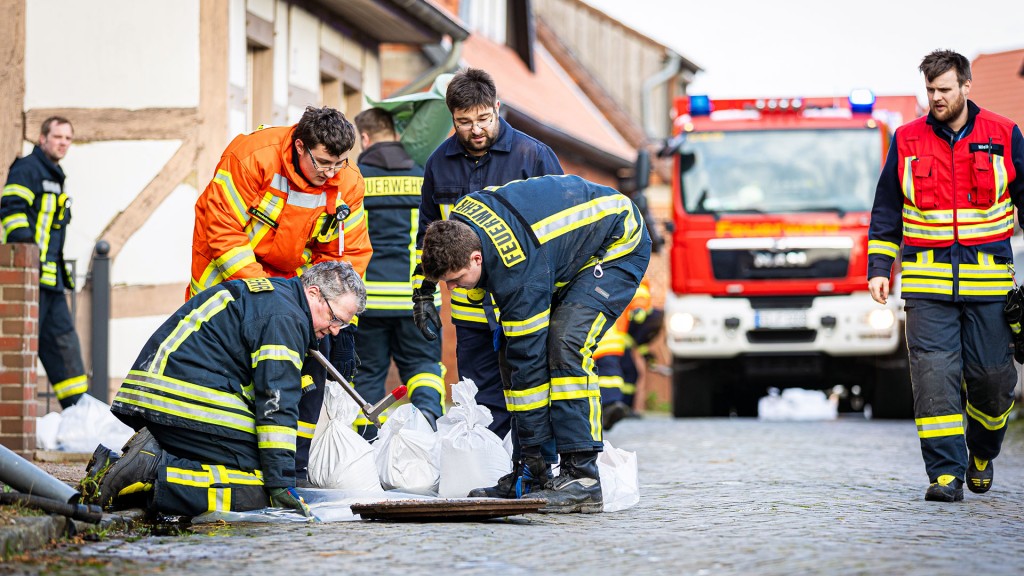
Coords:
290,165
50,165
387,155
942,130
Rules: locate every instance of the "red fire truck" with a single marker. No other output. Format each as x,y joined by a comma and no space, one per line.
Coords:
771,206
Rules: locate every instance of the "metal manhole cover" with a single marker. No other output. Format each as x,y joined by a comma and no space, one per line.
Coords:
450,510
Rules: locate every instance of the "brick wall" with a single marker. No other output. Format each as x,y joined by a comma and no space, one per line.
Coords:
19,319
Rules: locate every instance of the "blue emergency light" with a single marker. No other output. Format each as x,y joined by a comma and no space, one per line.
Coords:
700,105
862,101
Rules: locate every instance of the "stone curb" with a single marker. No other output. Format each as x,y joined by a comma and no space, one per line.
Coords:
28,533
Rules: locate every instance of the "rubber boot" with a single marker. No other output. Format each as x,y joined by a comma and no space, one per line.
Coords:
979,475
577,488
527,476
947,488
612,413
130,480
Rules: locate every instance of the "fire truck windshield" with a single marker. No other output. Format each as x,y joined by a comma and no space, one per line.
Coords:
774,171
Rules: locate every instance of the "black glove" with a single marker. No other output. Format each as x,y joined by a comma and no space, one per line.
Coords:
424,312
431,418
343,352
288,498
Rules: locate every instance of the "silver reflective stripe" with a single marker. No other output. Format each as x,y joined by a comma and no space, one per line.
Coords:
539,396
940,426
180,409
188,326
164,384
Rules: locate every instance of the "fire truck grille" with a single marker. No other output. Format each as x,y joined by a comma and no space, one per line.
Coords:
771,264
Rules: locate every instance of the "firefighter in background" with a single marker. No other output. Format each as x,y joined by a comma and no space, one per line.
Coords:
484,151
386,328
947,192
214,396
562,257
645,325
35,209
282,200
616,368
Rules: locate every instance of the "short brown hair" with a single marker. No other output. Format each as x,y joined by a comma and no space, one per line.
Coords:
48,124
940,61
470,88
447,246
325,126
375,121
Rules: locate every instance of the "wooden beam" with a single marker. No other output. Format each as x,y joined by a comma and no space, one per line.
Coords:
98,124
148,300
12,82
213,84
159,188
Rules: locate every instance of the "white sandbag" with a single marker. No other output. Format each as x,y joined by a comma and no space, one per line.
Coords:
507,443
339,457
796,404
620,480
469,454
404,452
46,431
88,423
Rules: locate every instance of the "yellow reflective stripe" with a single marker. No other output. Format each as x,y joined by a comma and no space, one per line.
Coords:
389,303
883,248
354,219
393,185
468,314
47,208
989,422
305,429
71,387
13,222
939,426
21,192
275,437
272,206
218,497
570,219
277,352
615,382
224,179
529,399
204,478
234,260
513,328
426,379
908,179
189,325
628,388
135,488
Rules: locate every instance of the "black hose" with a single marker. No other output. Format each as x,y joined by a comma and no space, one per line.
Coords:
85,512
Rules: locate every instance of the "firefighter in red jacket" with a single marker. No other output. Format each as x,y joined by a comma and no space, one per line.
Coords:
282,200
947,192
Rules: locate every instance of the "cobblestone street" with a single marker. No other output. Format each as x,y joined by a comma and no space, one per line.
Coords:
728,496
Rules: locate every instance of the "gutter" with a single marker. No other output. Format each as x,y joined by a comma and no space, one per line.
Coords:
650,83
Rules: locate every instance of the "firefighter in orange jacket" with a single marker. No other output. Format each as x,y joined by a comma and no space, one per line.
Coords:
282,200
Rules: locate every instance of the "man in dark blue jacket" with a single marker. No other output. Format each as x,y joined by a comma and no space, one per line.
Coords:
562,257
386,328
35,209
484,151
214,395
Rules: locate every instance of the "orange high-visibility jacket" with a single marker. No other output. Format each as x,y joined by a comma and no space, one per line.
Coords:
259,217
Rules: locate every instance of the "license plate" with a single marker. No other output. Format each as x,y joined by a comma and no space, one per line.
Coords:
780,319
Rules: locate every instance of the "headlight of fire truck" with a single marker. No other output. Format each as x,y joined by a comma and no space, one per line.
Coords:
682,323
881,319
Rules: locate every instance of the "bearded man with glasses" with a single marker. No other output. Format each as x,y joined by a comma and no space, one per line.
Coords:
484,151
282,200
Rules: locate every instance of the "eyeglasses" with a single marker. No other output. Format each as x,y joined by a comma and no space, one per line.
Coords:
335,321
323,171
481,124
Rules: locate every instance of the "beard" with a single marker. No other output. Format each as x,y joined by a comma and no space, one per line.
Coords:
467,142
953,110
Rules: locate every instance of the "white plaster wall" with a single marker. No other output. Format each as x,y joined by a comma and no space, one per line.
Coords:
102,180
160,252
111,53
281,52
127,337
262,8
304,51
371,78
331,40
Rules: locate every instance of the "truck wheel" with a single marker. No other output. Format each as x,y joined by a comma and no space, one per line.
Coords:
694,391
893,395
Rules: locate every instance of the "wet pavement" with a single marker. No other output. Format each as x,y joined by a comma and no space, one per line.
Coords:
722,496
